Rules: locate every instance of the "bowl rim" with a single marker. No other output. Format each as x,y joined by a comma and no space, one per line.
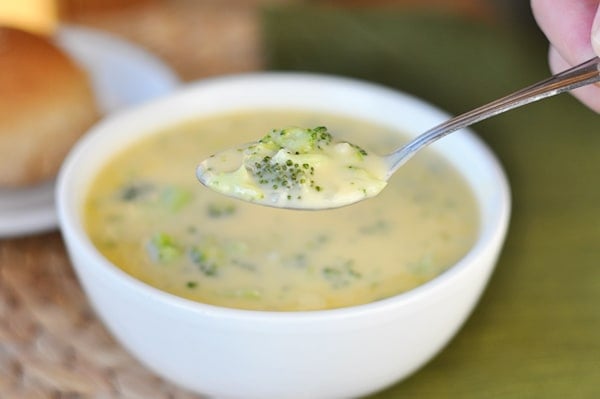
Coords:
71,223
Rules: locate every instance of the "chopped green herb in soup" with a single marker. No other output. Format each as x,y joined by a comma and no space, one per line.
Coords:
147,213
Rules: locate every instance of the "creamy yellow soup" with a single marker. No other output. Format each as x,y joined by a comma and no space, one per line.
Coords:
147,213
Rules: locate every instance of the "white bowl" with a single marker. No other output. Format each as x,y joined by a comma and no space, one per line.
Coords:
231,353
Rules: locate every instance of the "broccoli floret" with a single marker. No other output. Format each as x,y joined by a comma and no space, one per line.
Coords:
339,276
283,159
220,210
175,198
203,261
162,248
135,191
297,140
282,173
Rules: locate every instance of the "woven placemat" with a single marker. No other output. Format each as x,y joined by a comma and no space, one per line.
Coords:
51,343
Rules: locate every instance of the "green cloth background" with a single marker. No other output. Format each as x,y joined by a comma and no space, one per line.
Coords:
536,331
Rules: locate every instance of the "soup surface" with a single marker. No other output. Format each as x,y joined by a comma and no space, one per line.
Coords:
147,213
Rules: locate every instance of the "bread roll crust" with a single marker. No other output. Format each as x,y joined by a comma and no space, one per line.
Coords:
46,104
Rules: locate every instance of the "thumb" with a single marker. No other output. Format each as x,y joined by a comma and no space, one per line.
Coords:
596,32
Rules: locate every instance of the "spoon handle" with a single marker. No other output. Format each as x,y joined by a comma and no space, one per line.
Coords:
577,76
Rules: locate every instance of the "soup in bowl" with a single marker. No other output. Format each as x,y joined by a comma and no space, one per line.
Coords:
231,299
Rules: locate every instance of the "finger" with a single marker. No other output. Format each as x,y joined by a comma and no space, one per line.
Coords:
596,32
589,95
568,26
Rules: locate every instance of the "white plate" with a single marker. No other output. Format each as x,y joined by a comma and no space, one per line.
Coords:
122,75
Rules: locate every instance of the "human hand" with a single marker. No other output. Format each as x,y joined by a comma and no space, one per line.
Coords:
573,29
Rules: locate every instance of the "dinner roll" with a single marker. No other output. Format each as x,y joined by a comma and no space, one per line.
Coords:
46,103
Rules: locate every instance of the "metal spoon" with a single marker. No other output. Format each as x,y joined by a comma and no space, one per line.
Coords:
243,185
578,76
